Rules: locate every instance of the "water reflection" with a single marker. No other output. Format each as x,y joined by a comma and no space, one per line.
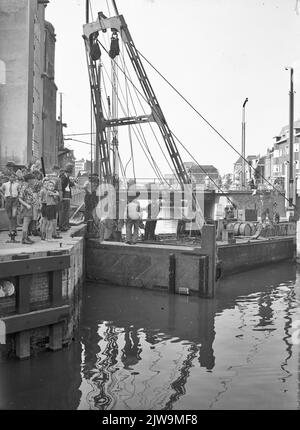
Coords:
147,366
155,368
48,381
144,349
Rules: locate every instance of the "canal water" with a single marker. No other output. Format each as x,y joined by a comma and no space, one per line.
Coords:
141,349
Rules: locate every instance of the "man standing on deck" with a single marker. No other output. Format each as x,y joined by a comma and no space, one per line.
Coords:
66,184
90,198
153,209
133,217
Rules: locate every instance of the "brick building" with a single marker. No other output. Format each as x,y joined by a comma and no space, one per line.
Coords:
204,174
252,160
27,88
64,155
281,154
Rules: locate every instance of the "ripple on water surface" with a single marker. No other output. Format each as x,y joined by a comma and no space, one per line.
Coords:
142,349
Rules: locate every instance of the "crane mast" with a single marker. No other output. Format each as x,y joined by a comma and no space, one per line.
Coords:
118,25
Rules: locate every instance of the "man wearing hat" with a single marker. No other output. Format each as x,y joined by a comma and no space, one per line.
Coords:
10,192
66,185
90,198
27,200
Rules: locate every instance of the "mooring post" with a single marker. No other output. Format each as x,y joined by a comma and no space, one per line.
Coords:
208,246
172,273
23,344
55,337
203,275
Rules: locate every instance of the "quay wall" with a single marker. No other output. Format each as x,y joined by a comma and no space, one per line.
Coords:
144,266
40,297
240,257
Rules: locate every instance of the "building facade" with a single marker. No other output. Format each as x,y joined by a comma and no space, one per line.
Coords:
49,148
206,175
272,167
280,163
79,166
24,92
250,165
65,155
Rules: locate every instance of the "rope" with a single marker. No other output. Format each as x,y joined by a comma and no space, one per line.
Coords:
199,114
137,89
203,170
154,166
139,130
150,125
213,128
108,8
142,136
129,128
91,9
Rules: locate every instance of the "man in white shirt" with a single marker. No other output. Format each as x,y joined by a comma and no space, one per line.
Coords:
10,192
133,217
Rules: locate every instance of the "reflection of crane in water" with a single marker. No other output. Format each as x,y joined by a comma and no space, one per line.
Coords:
290,300
99,372
179,384
265,312
107,368
132,350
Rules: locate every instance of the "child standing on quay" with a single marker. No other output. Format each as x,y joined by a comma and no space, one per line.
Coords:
26,198
43,220
51,199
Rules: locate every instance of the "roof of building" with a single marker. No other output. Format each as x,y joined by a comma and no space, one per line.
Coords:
286,128
262,160
64,151
204,169
189,164
248,158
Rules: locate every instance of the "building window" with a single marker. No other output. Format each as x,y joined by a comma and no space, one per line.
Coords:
2,73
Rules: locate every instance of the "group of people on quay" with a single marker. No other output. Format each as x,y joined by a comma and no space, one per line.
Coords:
39,202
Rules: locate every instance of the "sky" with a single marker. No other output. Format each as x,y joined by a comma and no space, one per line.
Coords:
215,52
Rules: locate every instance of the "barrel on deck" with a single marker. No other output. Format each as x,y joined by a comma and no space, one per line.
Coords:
236,229
245,229
241,228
